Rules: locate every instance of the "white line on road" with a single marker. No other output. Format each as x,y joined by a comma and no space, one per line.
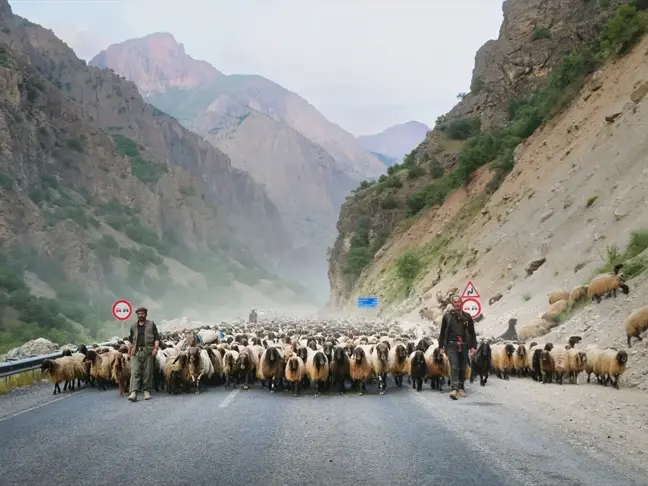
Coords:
39,406
229,398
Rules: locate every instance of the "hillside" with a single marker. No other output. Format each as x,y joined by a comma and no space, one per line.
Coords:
307,164
396,141
100,199
563,179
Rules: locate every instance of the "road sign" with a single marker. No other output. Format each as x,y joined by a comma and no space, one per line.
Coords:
470,292
367,302
122,310
472,307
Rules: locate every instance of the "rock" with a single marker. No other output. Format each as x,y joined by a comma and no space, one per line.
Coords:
638,94
596,82
578,266
587,96
534,265
495,298
612,117
619,215
33,348
546,216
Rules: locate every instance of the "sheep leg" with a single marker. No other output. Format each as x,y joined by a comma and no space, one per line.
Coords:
272,384
317,385
56,385
380,385
295,387
616,382
409,380
419,384
340,383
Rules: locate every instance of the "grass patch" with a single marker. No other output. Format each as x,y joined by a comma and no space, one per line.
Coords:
633,264
149,172
526,297
591,201
28,378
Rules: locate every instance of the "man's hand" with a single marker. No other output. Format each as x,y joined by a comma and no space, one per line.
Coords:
154,351
472,351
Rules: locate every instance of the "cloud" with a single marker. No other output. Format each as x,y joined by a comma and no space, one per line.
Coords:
365,64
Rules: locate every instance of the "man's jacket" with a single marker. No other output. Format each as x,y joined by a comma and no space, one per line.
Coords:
465,322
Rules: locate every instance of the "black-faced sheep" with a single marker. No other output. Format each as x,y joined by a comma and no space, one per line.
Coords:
246,365
502,360
176,373
481,363
380,361
610,364
546,366
636,324
200,364
417,369
294,372
606,283
317,369
576,363
520,360
61,370
271,367
339,368
438,367
398,363
361,367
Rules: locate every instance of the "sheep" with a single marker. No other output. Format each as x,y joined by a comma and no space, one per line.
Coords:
200,364
246,365
437,367
576,363
561,366
380,361
417,369
229,367
294,372
591,354
555,310
101,366
610,364
271,366
495,298
557,295
121,372
397,363
502,360
60,369
339,368
481,362
361,367
176,372
606,283
636,323
577,294
537,328
546,366
510,334
573,341
520,360
317,369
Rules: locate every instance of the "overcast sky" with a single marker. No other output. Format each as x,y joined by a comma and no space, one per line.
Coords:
365,64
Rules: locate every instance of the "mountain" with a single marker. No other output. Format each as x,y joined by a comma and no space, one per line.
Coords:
307,164
397,141
535,182
104,197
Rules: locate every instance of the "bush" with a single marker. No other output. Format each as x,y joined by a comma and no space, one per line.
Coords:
415,172
408,266
435,169
624,30
463,129
540,32
389,202
414,203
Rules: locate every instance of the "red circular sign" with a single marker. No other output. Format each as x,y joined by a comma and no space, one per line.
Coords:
122,310
472,307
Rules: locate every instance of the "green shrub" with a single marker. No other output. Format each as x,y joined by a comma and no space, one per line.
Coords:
540,32
624,30
435,169
414,203
463,129
415,172
408,266
389,202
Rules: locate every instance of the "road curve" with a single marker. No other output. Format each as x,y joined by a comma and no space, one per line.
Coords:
254,437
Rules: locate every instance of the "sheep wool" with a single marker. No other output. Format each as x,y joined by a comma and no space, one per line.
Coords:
636,324
557,295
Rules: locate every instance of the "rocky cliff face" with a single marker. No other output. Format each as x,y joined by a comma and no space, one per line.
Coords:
396,141
398,232
103,196
306,163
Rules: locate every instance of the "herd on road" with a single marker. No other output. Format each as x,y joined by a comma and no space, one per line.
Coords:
324,355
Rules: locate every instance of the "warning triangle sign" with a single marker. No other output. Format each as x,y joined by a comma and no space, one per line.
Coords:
470,291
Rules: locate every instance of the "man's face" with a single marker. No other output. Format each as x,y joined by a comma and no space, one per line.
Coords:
456,304
141,315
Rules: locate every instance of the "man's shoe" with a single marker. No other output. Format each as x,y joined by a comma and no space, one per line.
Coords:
147,396
453,394
462,393
133,397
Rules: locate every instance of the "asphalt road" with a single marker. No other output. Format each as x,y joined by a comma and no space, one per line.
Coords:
254,437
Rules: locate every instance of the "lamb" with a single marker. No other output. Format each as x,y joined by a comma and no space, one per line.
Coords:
557,295
636,324
397,363
200,364
417,369
121,372
317,369
339,368
481,363
61,369
437,367
576,363
502,360
295,371
606,283
546,366
578,294
380,360
610,364
561,365
271,366
361,367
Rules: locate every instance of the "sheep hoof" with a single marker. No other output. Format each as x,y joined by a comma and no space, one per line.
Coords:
294,395
197,392
360,393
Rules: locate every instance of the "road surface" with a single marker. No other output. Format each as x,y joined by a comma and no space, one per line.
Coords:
254,437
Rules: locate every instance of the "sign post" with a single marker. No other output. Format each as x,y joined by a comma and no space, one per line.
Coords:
367,302
470,300
122,310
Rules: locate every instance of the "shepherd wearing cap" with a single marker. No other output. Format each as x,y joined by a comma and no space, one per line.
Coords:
144,343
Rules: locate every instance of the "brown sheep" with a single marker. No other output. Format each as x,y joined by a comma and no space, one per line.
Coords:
555,310
578,294
636,324
60,369
271,367
246,365
121,372
547,366
557,295
339,368
606,283
360,367
398,363
294,372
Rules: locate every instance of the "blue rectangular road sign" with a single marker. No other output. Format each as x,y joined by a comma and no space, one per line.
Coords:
367,302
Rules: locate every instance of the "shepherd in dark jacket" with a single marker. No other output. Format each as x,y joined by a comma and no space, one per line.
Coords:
456,338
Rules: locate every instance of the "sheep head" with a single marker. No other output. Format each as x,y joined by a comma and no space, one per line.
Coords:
293,363
437,357
581,358
622,357
319,360
47,365
382,350
272,355
358,354
509,349
401,353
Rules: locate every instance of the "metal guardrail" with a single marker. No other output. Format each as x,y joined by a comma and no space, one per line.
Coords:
9,368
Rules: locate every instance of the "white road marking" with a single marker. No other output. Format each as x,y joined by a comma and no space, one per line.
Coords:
229,398
39,406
